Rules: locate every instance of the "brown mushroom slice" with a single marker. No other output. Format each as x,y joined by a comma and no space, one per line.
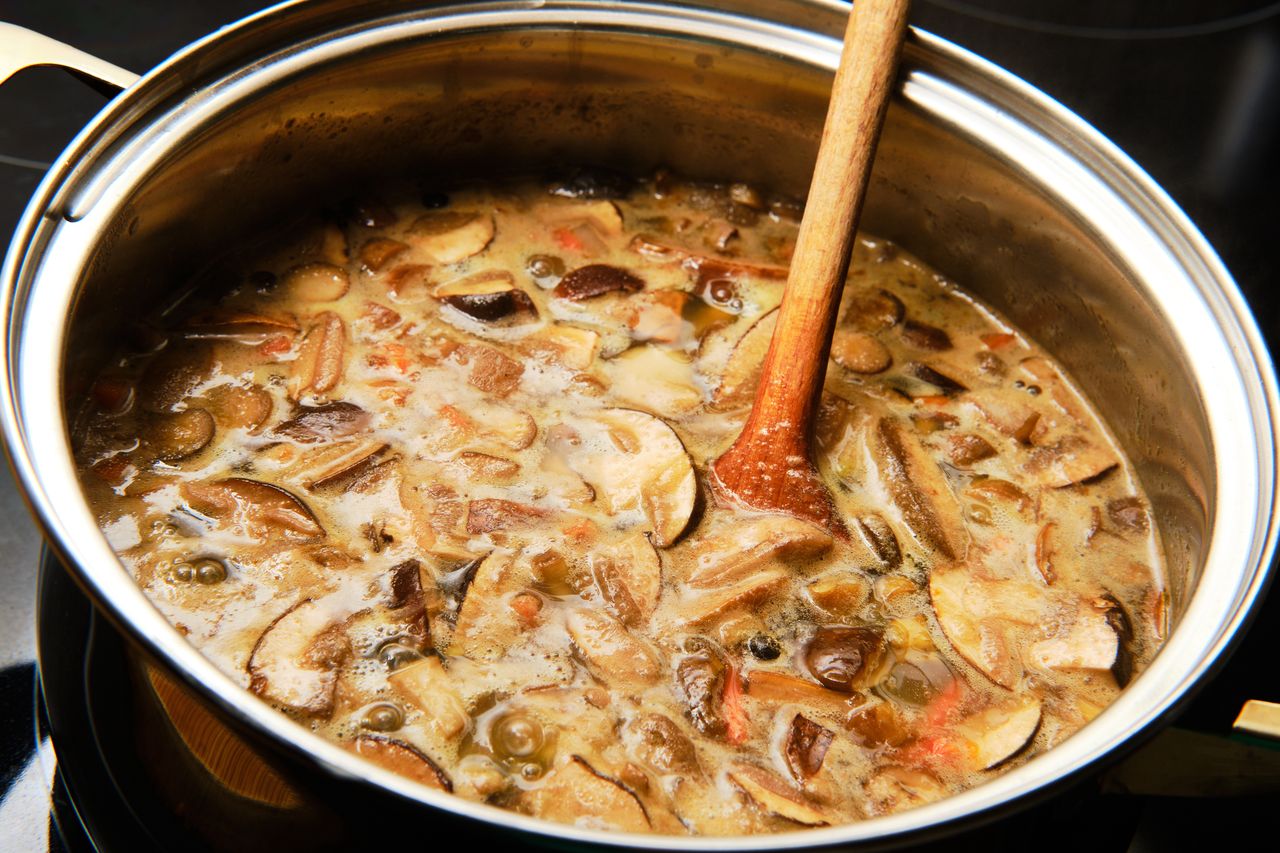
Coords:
741,372
576,794
406,601
881,540
314,282
282,669
660,250
240,407
325,465
654,379
1008,414
173,375
629,578
775,796
327,422
176,436
896,789
659,742
926,373
377,253
859,352
318,367
920,491
999,732
924,336
750,544
872,310
403,758
711,605
243,327
636,463
490,370
427,686
490,515
262,509
805,747
487,627
596,280
489,296
1071,459
449,236
612,654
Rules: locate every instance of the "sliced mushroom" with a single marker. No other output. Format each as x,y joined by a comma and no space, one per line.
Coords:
178,435
239,406
1070,460
741,372
489,296
872,310
769,686
968,449
262,509
658,316
654,379
920,491
284,671
775,796
700,680
449,236
714,604
601,213
1011,416
659,742
999,732
487,627
596,280
378,252
326,465
750,544
924,336
173,375
489,515
1088,640
660,250
896,789
403,758
859,352
315,282
805,747
318,368
484,467
491,370
324,423
406,600
629,578
576,794
880,538
250,329
611,652
845,659
841,595
939,380
427,686
570,346
636,463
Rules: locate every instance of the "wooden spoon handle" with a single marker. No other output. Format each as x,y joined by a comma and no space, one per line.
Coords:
797,357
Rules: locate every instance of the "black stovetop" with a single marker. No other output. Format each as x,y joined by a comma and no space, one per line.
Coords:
1189,88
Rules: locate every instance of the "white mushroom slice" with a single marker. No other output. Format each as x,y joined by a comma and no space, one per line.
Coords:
656,380
570,346
741,372
613,655
713,604
601,213
896,789
450,236
1088,642
427,686
997,733
512,428
282,667
775,796
402,758
749,545
318,367
1069,460
636,464
576,794
315,282
979,640
487,626
920,490
629,578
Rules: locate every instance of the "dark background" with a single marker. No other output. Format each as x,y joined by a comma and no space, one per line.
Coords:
1189,88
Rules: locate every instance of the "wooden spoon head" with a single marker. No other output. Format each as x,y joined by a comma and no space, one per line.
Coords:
754,476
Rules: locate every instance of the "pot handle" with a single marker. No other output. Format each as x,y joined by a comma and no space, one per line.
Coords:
22,48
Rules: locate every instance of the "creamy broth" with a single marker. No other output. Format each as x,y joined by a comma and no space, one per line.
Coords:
430,477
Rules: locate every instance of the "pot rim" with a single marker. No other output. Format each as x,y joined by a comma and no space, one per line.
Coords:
950,85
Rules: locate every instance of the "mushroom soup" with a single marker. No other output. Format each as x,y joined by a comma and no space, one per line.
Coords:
430,478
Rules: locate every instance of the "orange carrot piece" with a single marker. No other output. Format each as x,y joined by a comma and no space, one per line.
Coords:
735,715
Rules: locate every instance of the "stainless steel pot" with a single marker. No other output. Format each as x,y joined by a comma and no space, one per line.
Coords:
979,174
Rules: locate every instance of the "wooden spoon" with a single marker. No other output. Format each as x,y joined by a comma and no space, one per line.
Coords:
770,467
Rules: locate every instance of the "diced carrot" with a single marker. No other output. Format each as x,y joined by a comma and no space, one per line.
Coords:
735,715
997,340
527,606
275,345
567,240
582,531
455,417
933,400
943,705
